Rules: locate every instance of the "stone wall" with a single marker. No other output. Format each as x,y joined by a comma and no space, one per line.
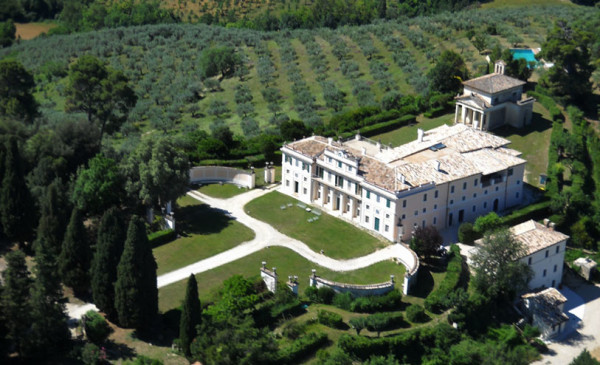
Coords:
356,290
269,277
410,260
208,174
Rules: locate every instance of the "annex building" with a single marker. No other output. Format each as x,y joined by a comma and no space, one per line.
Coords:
493,100
446,176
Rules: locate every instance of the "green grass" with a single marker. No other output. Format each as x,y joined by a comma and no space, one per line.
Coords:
505,3
407,134
339,239
533,141
222,191
204,232
287,263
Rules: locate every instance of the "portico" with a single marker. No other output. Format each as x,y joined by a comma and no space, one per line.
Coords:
471,116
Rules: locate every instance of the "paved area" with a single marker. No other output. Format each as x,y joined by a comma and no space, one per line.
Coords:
583,331
266,235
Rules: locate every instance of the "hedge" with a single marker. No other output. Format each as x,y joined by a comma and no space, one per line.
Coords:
256,161
301,348
435,301
352,119
535,211
379,128
435,112
161,237
416,314
548,103
384,321
388,302
330,319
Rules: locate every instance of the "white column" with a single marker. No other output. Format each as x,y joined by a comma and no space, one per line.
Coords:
456,113
462,118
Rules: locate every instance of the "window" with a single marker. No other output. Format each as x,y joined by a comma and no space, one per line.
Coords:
329,159
319,194
452,189
297,163
517,195
529,261
463,198
557,249
475,183
304,191
434,220
305,178
485,192
474,195
416,213
451,201
464,186
544,274
388,203
387,228
474,208
484,205
555,268
349,168
367,219
368,207
424,197
424,223
435,195
424,210
377,198
510,172
403,216
368,194
387,216
435,207
547,253
404,204
339,164
377,211
497,188
287,183
287,171
518,182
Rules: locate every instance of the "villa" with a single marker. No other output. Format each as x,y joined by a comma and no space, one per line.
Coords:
494,100
448,175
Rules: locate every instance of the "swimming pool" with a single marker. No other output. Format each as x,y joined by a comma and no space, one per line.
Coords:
526,54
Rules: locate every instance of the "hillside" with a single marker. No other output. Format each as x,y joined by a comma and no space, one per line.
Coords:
290,73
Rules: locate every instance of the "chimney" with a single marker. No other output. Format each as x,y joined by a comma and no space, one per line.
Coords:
402,179
552,224
357,136
378,146
546,222
330,141
436,163
420,134
499,67
364,151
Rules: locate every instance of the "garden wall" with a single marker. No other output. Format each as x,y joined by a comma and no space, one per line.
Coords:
207,174
356,290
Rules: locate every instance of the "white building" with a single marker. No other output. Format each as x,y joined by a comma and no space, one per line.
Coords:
545,311
493,100
447,176
545,252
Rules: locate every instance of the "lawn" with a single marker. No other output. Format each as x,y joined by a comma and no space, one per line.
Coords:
337,238
407,134
222,191
287,263
204,232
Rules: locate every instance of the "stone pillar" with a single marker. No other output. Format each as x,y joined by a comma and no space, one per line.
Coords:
463,111
313,278
344,202
352,207
293,284
169,207
456,113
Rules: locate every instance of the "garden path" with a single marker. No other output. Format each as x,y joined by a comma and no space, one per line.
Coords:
265,236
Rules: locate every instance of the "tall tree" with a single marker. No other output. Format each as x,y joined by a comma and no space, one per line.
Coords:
190,315
219,60
99,186
498,272
16,91
136,295
381,8
100,92
109,247
16,204
54,210
568,49
448,73
74,259
7,33
15,299
49,334
156,172
426,241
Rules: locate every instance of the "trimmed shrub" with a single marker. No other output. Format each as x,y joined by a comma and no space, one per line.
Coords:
325,295
330,319
388,302
416,314
535,211
301,348
467,234
436,301
161,237
379,322
96,328
343,301
486,223
549,104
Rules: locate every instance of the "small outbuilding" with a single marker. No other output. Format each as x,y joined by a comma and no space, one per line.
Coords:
544,310
587,267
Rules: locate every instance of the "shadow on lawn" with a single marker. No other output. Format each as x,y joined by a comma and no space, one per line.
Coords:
538,124
201,219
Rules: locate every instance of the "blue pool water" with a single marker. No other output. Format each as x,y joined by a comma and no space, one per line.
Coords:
526,54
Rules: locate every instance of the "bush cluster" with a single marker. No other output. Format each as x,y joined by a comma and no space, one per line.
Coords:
301,348
438,299
161,237
416,314
330,319
550,104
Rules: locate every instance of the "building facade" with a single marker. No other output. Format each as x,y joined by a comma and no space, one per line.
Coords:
447,176
491,101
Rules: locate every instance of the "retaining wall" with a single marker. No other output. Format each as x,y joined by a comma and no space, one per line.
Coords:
356,290
208,174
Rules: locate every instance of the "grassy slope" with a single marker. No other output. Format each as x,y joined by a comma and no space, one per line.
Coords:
337,238
287,263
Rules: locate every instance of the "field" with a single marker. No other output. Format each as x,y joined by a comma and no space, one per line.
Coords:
335,237
287,263
27,31
290,73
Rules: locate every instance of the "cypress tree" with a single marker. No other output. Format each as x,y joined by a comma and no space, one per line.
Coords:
52,223
136,295
15,299
190,315
109,247
49,334
74,259
16,205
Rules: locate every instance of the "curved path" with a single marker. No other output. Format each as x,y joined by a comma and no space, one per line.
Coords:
266,235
